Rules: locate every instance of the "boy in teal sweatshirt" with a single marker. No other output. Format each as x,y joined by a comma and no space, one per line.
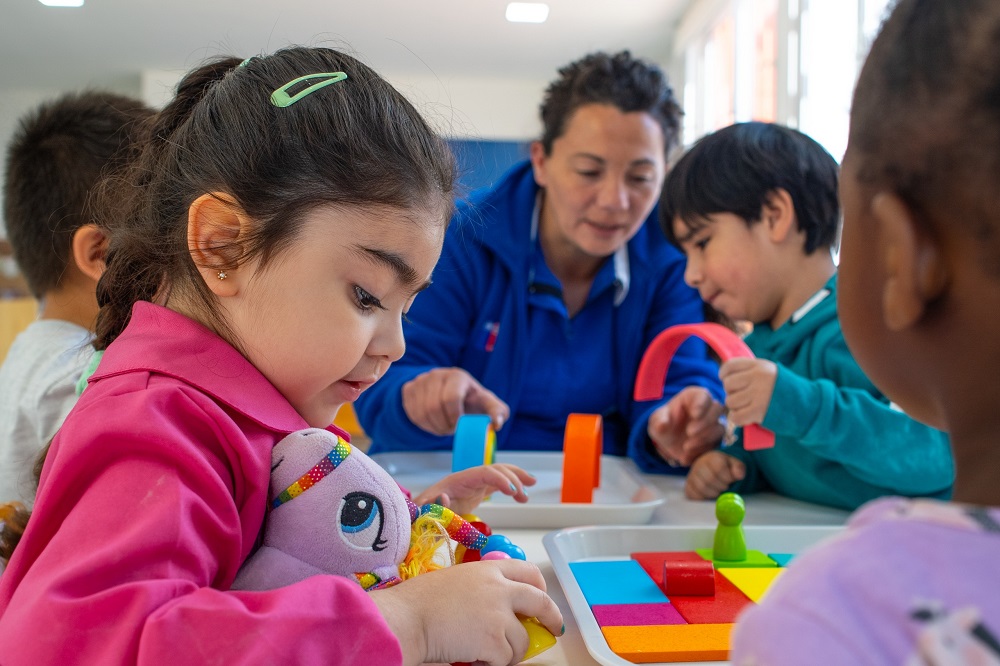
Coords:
754,206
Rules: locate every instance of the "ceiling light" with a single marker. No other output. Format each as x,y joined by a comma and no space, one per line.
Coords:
527,12
62,3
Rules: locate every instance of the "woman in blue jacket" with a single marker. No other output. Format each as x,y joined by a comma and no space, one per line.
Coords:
551,285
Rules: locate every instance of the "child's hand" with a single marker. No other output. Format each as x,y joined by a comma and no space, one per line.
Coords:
435,400
467,612
749,385
463,491
712,474
687,426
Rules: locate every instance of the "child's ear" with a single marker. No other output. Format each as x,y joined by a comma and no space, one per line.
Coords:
778,213
912,262
89,247
216,228
538,158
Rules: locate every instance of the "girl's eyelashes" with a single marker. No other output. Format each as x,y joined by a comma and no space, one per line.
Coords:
702,243
366,301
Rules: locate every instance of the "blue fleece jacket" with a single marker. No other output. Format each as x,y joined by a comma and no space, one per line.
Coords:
475,316
838,440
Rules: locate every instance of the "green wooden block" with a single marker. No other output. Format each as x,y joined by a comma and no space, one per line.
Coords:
754,558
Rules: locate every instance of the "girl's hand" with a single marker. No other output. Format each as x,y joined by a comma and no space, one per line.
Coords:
749,385
712,474
467,612
435,400
463,491
686,426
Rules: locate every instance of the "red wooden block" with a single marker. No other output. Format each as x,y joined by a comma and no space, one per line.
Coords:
652,562
688,578
720,609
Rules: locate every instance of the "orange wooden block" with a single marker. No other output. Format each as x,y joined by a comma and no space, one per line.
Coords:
670,642
582,444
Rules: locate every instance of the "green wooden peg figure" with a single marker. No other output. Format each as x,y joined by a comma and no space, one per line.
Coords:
730,544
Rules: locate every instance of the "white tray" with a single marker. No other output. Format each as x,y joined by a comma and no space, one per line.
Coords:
622,498
603,543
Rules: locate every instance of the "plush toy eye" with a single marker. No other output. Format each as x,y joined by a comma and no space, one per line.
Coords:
361,521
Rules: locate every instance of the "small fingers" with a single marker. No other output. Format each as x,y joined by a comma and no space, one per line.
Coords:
737,468
502,478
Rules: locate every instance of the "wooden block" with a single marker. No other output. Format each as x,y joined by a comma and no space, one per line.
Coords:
752,582
781,559
755,558
720,609
616,582
670,643
635,615
691,578
652,562
583,441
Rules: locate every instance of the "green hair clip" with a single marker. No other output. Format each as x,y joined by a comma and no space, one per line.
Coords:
281,98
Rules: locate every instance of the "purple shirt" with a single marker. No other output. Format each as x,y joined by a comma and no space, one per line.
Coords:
907,582
152,496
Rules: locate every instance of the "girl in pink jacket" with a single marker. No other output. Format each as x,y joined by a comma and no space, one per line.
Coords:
266,246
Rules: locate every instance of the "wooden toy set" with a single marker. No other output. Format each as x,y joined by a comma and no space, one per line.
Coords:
670,594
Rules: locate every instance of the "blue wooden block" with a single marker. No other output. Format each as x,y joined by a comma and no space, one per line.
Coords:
616,582
781,558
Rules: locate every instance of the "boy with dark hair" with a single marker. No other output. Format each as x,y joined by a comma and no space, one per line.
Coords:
54,160
754,206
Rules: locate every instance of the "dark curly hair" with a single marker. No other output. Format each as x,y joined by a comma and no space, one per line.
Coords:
620,80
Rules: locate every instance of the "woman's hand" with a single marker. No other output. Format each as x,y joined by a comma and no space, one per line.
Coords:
712,474
463,491
467,612
435,400
688,425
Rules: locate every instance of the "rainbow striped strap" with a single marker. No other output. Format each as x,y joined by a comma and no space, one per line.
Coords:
457,527
318,472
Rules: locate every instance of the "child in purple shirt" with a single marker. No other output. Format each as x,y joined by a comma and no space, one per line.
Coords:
914,581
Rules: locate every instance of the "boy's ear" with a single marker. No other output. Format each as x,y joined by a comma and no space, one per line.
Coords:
538,158
778,213
912,262
89,247
216,228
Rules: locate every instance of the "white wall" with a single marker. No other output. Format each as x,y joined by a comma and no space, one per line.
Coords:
468,108
457,107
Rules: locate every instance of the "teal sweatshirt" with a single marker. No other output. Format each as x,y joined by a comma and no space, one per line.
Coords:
838,440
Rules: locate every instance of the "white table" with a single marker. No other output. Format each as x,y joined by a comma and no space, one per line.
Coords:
762,509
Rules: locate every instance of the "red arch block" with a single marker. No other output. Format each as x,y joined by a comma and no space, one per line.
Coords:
656,361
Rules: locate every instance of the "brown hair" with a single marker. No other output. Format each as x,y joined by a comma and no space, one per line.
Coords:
357,142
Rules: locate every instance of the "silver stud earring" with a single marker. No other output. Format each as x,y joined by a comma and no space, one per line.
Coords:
222,275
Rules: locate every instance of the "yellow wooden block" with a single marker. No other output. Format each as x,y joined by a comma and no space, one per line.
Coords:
752,582
670,642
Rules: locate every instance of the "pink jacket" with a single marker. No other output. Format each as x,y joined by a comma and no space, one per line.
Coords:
152,496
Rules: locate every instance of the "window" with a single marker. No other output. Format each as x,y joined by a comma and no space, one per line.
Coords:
789,61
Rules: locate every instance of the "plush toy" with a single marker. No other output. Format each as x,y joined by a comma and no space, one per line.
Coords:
335,511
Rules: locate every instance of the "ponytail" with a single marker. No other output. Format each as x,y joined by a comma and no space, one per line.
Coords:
133,271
